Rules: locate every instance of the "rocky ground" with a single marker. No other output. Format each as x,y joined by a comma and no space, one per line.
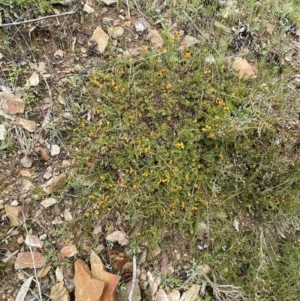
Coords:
51,246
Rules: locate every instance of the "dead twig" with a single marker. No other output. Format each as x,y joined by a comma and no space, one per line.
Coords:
38,19
128,9
133,278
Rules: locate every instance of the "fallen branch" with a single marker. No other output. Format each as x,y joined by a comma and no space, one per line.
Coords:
38,19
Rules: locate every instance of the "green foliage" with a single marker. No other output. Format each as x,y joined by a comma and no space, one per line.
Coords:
171,132
169,136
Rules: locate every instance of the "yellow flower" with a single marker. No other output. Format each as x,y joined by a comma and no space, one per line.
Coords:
145,174
168,86
179,145
187,55
144,48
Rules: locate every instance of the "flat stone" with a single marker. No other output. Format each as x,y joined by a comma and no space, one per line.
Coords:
161,295
11,104
20,240
109,2
26,161
88,9
69,251
107,20
54,150
30,260
57,183
87,288
128,24
101,38
47,175
48,202
174,295
115,32
155,38
43,236
26,124
33,241
118,236
111,281
25,173
26,185
14,215
67,215
141,25
192,294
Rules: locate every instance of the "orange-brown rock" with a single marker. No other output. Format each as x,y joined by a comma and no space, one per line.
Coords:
58,183
69,251
87,288
30,260
11,104
14,215
111,280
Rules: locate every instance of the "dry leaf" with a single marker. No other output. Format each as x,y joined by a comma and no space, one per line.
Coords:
243,68
59,53
25,173
59,292
59,274
24,289
44,271
61,100
119,237
33,80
